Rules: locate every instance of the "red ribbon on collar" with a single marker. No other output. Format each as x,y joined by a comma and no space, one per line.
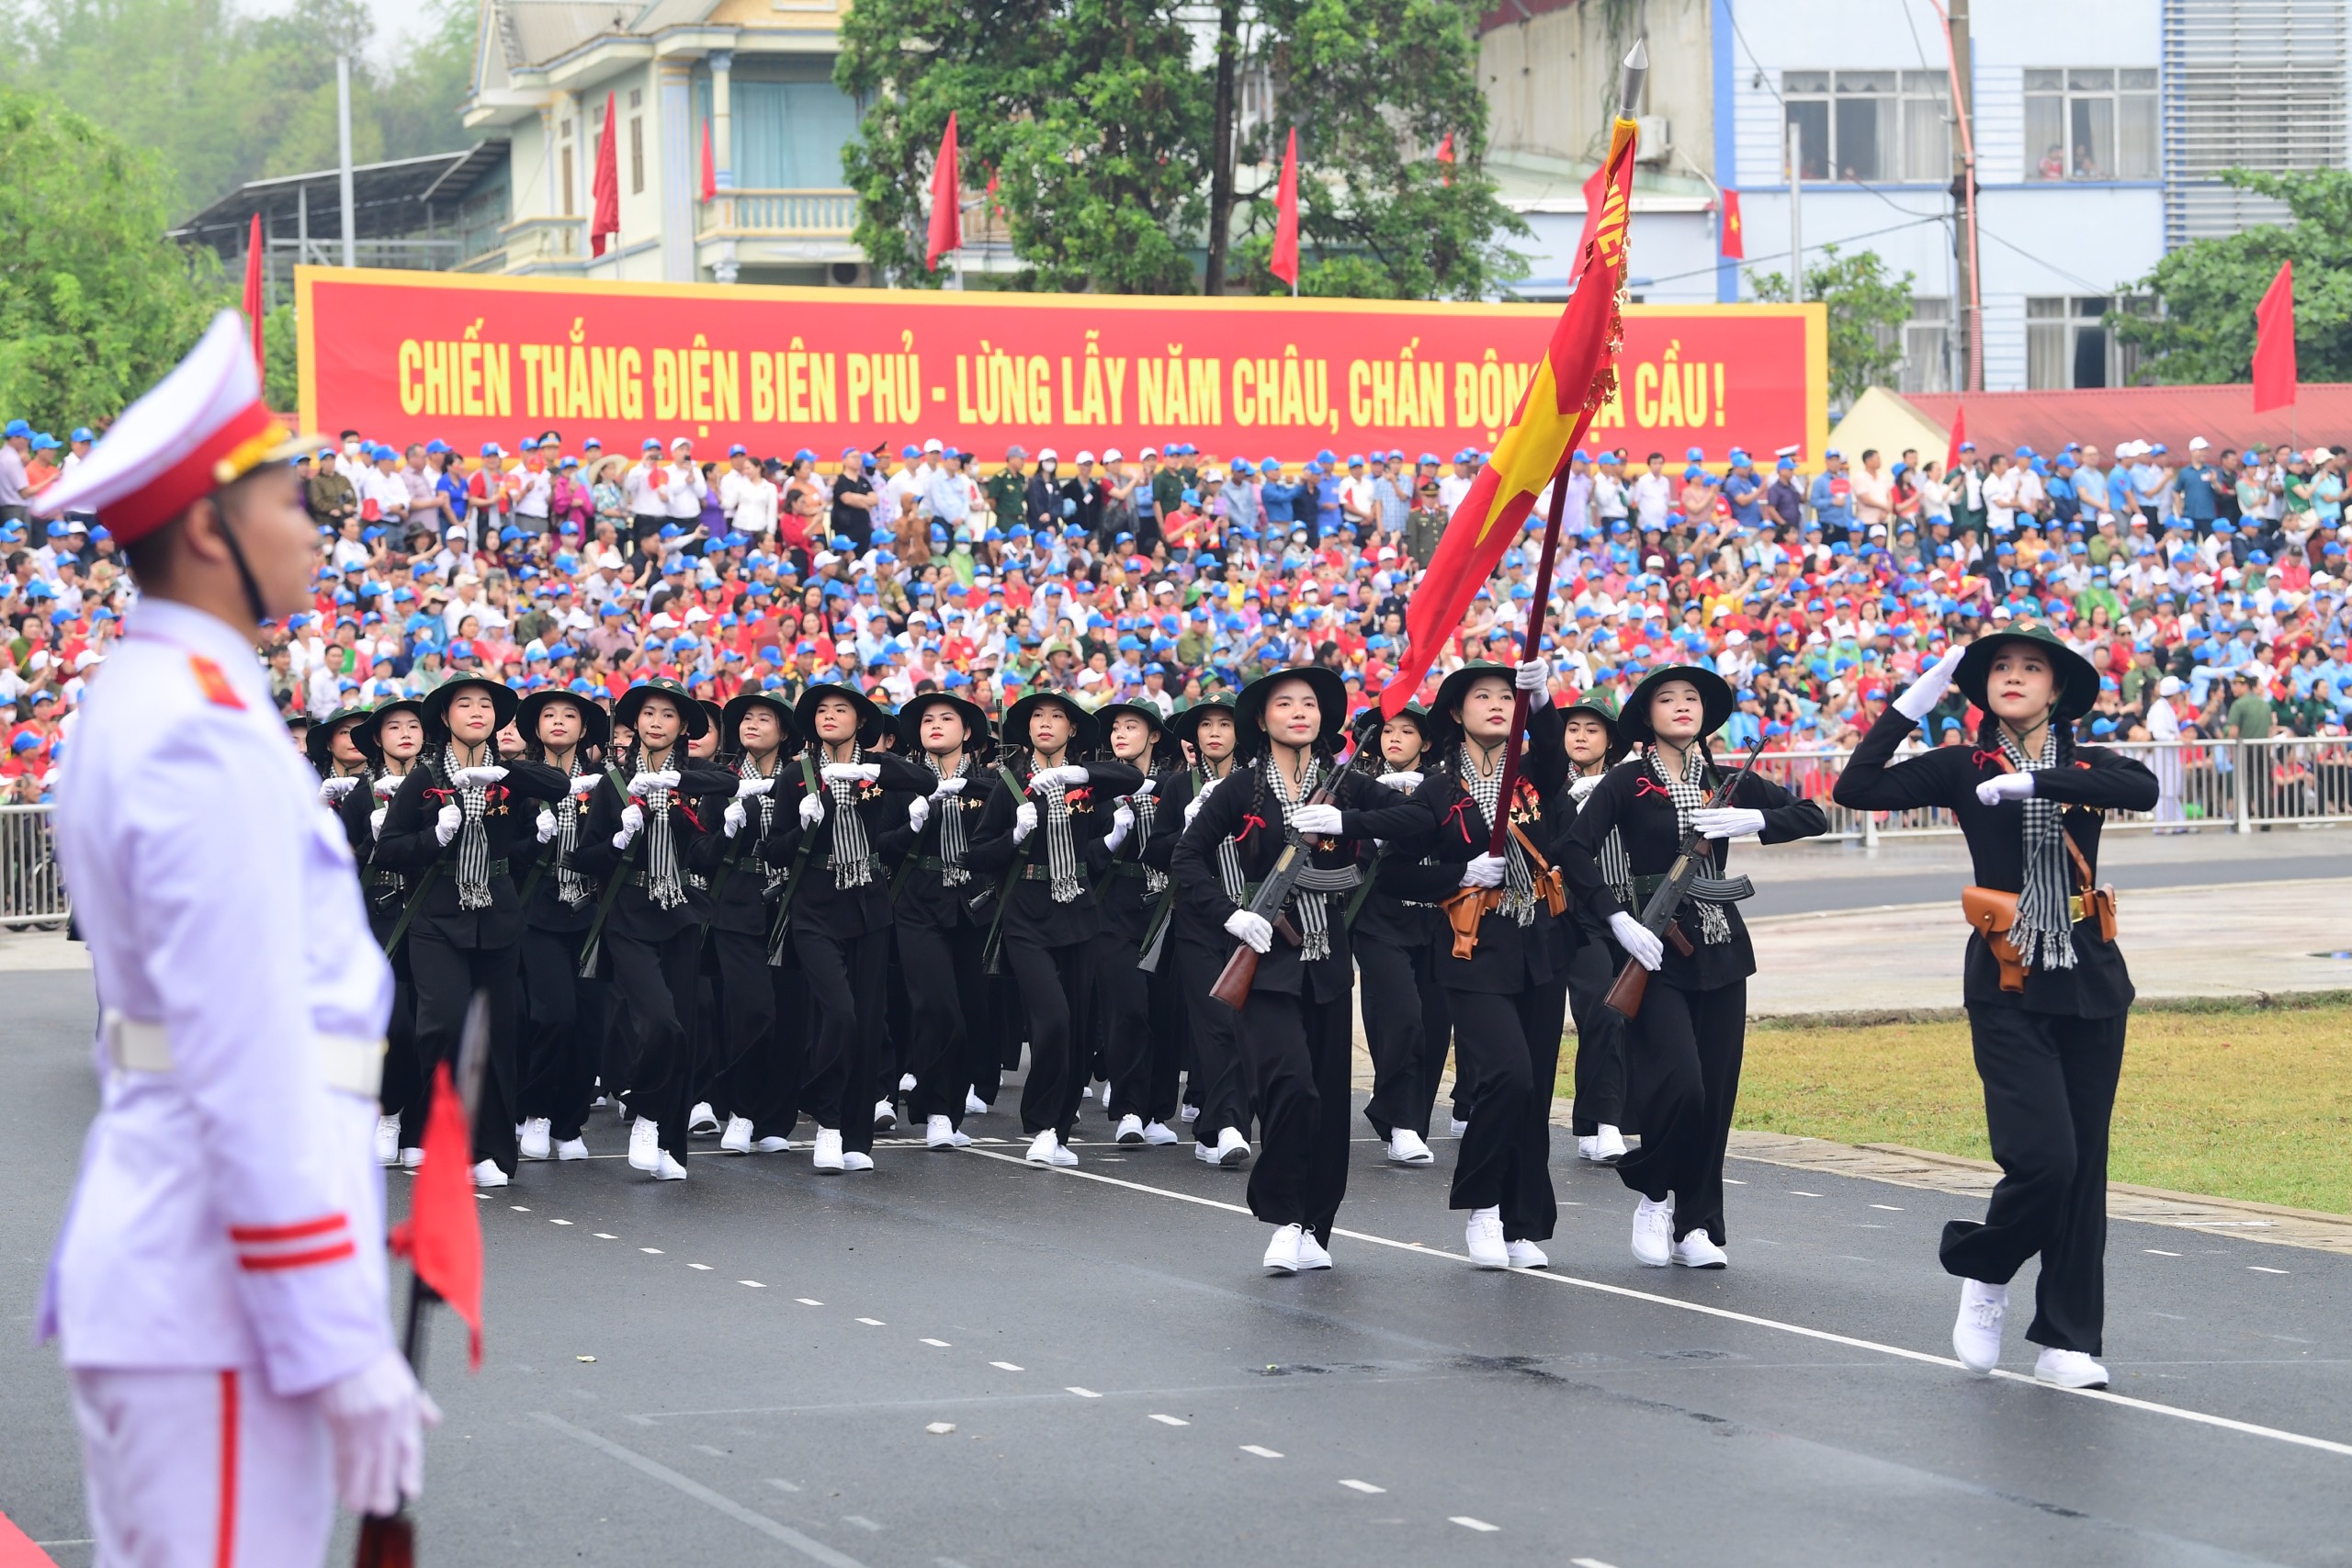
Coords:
1461,811
1985,759
1648,786
1248,823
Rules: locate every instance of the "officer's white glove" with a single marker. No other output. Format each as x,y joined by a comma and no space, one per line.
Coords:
643,784
632,822
950,786
387,787
1068,776
1122,822
376,1421
1641,944
1322,819
1405,783
545,824
748,788
732,820
856,772
2007,786
446,825
1252,931
1025,820
331,791
1928,690
1727,821
376,820
918,812
1534,678
479,778
812,809
1484,871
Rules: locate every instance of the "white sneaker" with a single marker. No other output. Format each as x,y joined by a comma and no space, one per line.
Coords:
1282,1252
1698,1250
533,1136
1188,1114
737,1139
1063,1156
974,1105
1205,1153
1484,1239
1457,1125
1156,1134
1608,1145
1584,1146
645,1144
1977,1332
387,1140
770,1146
829,1149
1232,1149
487,1174
702,1121
1042,1147
1654,1233
1526,1254
412,1158
886,1116
1405,1147
1130,1130
1311,1252
669,1170
572,1148
853,1160
941,1134
905,1083
2069,1368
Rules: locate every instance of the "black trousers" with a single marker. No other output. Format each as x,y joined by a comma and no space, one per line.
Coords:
1506,1052
1299,1051
654,983
1220,1086
1682,1057
950,1049
1130,1040
1601,1040
762,1041
1055,986
2049,1098
405,1090
558,1051
446,977
845,976
1407,1023
1166,999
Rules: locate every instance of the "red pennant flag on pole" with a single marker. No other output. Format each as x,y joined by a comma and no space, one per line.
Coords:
994,205
2274,342
1735,243
1958,435
709,168
1283,263
605,189
1574,382
442,1235
252,292
1445,157
947,199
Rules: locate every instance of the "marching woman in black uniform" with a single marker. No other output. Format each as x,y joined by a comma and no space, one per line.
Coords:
1137,1055
839,907
1503,954
1683,1051
390,738
1037,835
568,733
1216,1085
456,827
1298,1026
637,842
2047,993
1588,729
342,767
941,912
1393,927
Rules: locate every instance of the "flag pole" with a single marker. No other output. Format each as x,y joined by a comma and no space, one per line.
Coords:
1637,66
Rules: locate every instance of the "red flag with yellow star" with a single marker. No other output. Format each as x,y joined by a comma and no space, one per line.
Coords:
1735,238
1576,378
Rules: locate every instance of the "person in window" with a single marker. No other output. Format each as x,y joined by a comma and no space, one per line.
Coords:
2053,163
2086,167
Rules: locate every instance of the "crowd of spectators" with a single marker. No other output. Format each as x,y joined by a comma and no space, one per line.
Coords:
2207,585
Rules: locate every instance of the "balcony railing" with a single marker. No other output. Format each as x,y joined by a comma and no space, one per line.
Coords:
544,241
783,214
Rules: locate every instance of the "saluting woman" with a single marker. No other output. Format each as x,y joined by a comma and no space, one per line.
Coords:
1138,1054
1588,731
1216,1085
458,820
637,842
1395,930
390,738
567,732
2047,993
1683,1049
1038,832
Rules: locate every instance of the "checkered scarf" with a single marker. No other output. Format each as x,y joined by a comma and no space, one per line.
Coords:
663,883
1313,913
1061,849
473,838
765,806
2043,933
1616,867
1518,880
1689,792
570,886
952,844
852,856
1144,804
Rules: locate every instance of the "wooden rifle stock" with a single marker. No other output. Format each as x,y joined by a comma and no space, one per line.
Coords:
1240,973
1624,997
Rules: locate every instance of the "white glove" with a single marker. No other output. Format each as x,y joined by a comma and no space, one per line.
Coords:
445,826
732,820
1485,871
632,820
1252,930
1122,822
545,824
748,788
375,1420
1404,783
1068,776
1193,807
376,821
1928,690
2007,786
950,786
1727,821
1641,944
1321,819
1025,820
642,783
479,778
387,787
812,809
1146,786
918,812
331,791
585,785
856,772
1534,678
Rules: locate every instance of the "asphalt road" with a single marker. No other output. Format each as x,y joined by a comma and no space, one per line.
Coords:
776,1353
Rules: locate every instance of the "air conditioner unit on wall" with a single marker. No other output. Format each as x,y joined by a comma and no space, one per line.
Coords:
1657,145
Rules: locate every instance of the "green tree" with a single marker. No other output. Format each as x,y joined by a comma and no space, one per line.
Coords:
1867,309
2207,290
95,303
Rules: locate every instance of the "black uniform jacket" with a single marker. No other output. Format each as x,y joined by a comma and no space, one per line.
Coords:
634,912
1408,881
408,845
1031,916
1630,799
1510,958
546,910
386,889
1245,809
842,912
921,896
732,870
2097,985
1128,902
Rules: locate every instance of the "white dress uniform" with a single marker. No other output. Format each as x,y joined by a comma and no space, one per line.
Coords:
224,1258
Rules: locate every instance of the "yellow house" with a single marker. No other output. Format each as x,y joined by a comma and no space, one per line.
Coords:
758,74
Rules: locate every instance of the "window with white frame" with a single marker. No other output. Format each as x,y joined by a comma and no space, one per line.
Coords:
2069,341
2090,124
1926,346
1877,127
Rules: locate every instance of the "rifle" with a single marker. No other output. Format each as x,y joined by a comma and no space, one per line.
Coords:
992,945
800,864
588,953
1292,870
1682,879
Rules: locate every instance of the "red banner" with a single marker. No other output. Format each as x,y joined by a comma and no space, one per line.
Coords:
408,356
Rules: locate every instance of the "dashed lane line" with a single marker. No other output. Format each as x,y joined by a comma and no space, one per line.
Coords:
1170,1420
1467,1522
1261,1451
1365,1487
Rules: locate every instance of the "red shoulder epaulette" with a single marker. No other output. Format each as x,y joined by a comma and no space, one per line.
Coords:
214,683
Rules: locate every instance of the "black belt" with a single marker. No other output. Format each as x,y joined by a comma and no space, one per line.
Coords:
1042,874
932,863
1133,868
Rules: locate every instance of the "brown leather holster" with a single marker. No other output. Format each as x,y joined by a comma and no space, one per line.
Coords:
1992,913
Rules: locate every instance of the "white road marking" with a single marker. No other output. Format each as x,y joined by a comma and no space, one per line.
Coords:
605,1235
1170,1420
2258,1269
781,1484
940,1429
1730,1182
558,1222
1558,1277
715,1454
2160,1252
807,1302
940,1344
1363,1486
518,1208
1794,1193
703,1267
754,1284
1082,1393
654,1250
1888,1207
1006,1367
1467,1522
873,1322
1260,1451
861,1521
1587,1563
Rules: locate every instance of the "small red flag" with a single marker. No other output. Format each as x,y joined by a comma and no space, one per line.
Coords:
946,196
605,189
2274,342
1735,245
1283,263
442,1235
253,291
709,168
1958,435
994,205
1445,157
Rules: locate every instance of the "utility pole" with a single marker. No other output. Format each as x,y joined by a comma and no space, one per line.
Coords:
1961,60
1221,154
343,135
1796,216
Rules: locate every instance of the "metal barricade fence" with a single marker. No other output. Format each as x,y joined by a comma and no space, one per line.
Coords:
32,893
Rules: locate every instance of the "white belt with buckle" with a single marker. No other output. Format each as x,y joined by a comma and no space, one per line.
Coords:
351,1065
